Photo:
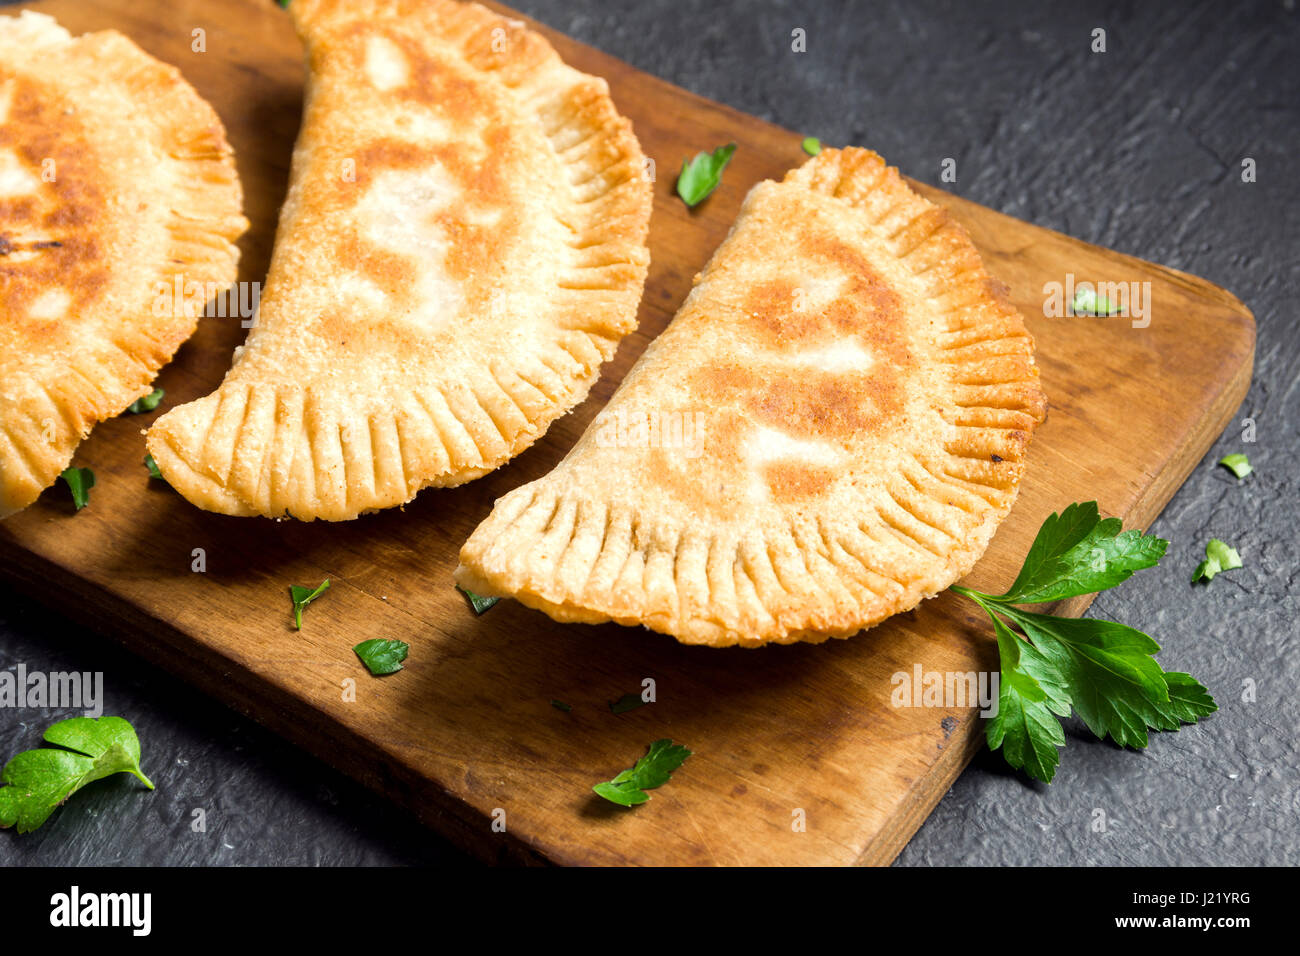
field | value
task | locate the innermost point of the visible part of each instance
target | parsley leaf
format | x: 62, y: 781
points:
x: 1088, y: 302
x: 1238, y: 464
x: 1030, y: 701
x: 1219, y: 557
x: 39, y: 780
x: 1188, y: 700
x: 561, y: 705
x: 651, y: 771
x: 627, y: 702
x: 80, y: 481
x: 1101, y: 670
x: 1077, y: 552
x: 477, y: 601
x: 146, y: 403
x: 812, y: 145
x: 152, y: 466
x: 1114, y: 683
x: 382, y: 656
x: 302, y: 596
x: 701, y: 175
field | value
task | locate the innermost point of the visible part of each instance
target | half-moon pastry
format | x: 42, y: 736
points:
x: 462, y: 246
x: 830, y: 430
x: 117, y: 187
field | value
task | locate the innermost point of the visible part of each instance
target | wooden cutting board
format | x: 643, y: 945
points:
x: 467, y: 729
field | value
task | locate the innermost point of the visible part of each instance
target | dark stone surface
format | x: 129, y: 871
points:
x: 1139, y: 149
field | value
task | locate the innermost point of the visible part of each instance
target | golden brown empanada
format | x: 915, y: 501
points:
x: 463, y: 244
x: 829, y: 431
x: 116, y: 183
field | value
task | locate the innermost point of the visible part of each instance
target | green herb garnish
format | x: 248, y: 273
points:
x: 701, y: 175
x: 1088, y: 302
x: 382, y: 656
x: 1219, y: 557
x: 1102, y: 670
x: 1077, y: 552
x: 152, y: 466
x: 812, y: 145
x: 651, y: 771
x: 39, y: 780
x: 302, y: 597
x: 477, y: 601
x: 147, y: 403
x: 1238, y: 464
x: 80, y: 481
x: 561, y: 705
x: 626, y: 702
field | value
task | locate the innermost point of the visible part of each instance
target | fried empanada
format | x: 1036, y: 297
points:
x: 462, y: 246
x: 830, y: 430
x: 116, y: 183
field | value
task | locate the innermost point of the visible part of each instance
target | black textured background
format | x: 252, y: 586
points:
x: 1138, y: 149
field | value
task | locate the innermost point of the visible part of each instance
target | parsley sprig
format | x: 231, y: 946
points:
x: 1102, y: 670
x: 1088, y: 302
x: 478, y: 602
x: 146, y: 403
x: 1237, y: 463
x: 702, y: 173
x: 79, y: 482
x: 1219, y: 557
x: 302, y: 596
x: 382, y: 656
x: 37, y: 781
x: 653, y: 770
x: 627, y: 702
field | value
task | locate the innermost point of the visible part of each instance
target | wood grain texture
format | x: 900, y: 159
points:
x: 467, y: 727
